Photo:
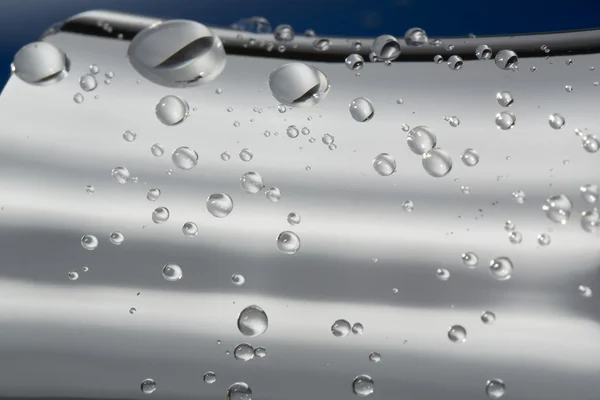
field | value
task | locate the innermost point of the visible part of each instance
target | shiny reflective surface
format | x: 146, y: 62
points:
x: 77, y: 339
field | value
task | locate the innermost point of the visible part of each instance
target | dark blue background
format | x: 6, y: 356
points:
x: 22, y: 21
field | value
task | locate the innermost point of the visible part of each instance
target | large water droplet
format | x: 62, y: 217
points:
x: 252, y: 321
x: 437, y: 162
x: 361, y: 109
x: 177, y: 53
x: 505, y: 99
x: 556, y: 121
x: 243, y: 352
x: 470, y: 259
x: 160, y: 215
x: 172, y: 272
x: 385, y: 48
x: 495, y: 388
x: 469, y: 157
x: 40, y: 63
x: 252, y: 182
x: 507, y: 60
x: 116, y: 238
x: 88, y: 82
x: 384, y: 164
x: 171, y: 110
x: 590, y: 193
x: 148, y: 386
x: 355, y: 62
x: 288, y: 242
x: 501, y: 268
x: 219, y: 205
x: 239, y: 391
x: 488, y: 317
x: 299, y: 85
x: 189, y: 229
x: 457, y: 334
x: 483, y: 52
x: 558, y: 208
x: 505, y: 120
x: 89, y: 242
x: 415, y: 37
x: 121, y: 175
x: 210, y: 377
x: 590, y: 220
x: 363, y: 385
x: 420, y: 140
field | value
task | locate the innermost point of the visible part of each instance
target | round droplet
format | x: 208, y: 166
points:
x: 73, y: 275
x: 260, y: 352
x: 556, y: 121
x: 507, y: 60
x: 219, y: 205
x: 415, y: 37
x: 438, y: 59
x: 293, y: 219
x: 292, y: 131
x: 558, y: 208
x: 501, y: 268
x: 252, y: 321
x: 385, y: 48
x: 210, y: 377
x: 483, y: 52
x: 116, y: 238
x: 515, y: 237
x: 453, y: 121
x: 153, y: 194
x: 437, y: 162
x: 88, y: 82
x: 590, y: 220
x: 470, y: 157
x: 355, y: 62
x: 585, y: 291
x: 172, y: 272
x: 178, y: 53
x: 443, y: 274
x: 238, y: 279
x: 305, y: 131
x: 78, y: 98
x: 129, y: 136
x: 89, y: 189
x: 495, y: 388
x: 455, y: 62
x: 590, y: 193
x: 243, y: 352
x: 470, y: 259
x: 89, y: 242
x: 361, y: 109
x: 358, y: 328
x: 363, y: 385
x: 505, y: 99
x: 40, y: 63
x: 121, y: 175
x: 132, y: 310
x: 160, y: 215
x: 384, y: 164
x: 340, y: 328
x: 157, y: 150
x: 288, y: 242
x: 109, y: 74
x: 457, y: 334
x: 420, y: 140
x: 505, y: 120
x: 590, y: 144
x: 273, y: 194
x: 252, y: 182
x: 239, y: 391
x: 171, y: 110
x: 327, y: 139
x: 148, y: 386
x: 509, y: 226
x: 519, y: 196
x: 544, y: 239
x: 488, y: 317
x: 94, y: 69
x: 246, y: 155
x: 189, y: 229
x: 184, y: 158
x: 375, y: 357
x: 225, y: 156
x: 298, y: 85
x: 408, y: 206
x: 284, y: 33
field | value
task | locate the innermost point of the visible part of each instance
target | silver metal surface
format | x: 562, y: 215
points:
x: 77, y: 339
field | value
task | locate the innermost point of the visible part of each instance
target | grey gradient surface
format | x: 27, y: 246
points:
x: 77, y: 340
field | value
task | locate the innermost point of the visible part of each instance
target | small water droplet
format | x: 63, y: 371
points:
x: 88, y: 82
x: 273, y: 194
x: 590, y: 144
x: 153, y: 194
x: 495, y: 388
x: 450, y: 47
x: 415, y: 37
x: 293, y: 219
x: 457, y: 334
x: 384, y: 164
x: 292, y: 131
x: 519, y: 196
x: 453, y: 121
x: 470, y: 157
x: 363, y: 385
x: 505, y: 99
x: 533, y: 68
x: 408, y: 206
x: 171, y: 110
x: 219, y: 205
x: 132, y: 310
x: 243, y: 352
x: 515, y: 237
x: 225, y: 156
x: 438, y: 59
x: 184, y: 158
x: 246, y: 155
x: 148, y: 386
x: 298, y: 84
x: 354, y: 62
x: 121, y: 175
x: 252, y: 321
x: 505, y: 120
x: 157, y: 150
x: 488, y: 317
x: 361, y: 109
x: 590, y: 193
x: 160, y: 215
x: 509, y: 226
x: 443, y: 274
x: 252, y: 182
x: 78, y: 98
x: 260, y: 352
x: 543, y: 239
x: 358, y: 328
x: 238, y: 279
x: 501, y: 268
x: 73, y: 275
x: 172, y: 272
x: 109, y: 74
x: 585, y: 291
x: 305, y: 131
x: 129, y: 136
x: 340, y: 328
x: 590, y: 220
x: 375, y: 357
x: 420, y: 140
x: 40, y: 63
x: 288, y: 242
x: 437, y: 162
x: 470, y: 259
x: 189, y: 229
x: 556, y: 121
x: 116, y: 238
x: 327, y: 139
x: 239, y: 391
x: 89, y: 189
x: 284, y: 33
x: 507, y: 60
x: 89, y: 242
x: 322, y: 44
x: 455, y: 63
x: 568, y: 88
x: 385, y: 48
x: 210, y: 377
x: 483, y: 52
x: 558, y: 208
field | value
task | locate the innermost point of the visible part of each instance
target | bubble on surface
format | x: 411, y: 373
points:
x: 455, y: 63
x: 457, y: 334
x: 129, y: 136
x: 556, y: 121
x: 509, y: 226
x: 78, y: 98
x: 116, y: 238
x: 495, y: 388
x: 239, y: 391
x: 172, y: 110
x: 284, y: 33
x: 558, y: 208
x: 453, y: 121
x: 415, y: 37
x: 483, y: 52
x: 437, y: 162
x: 252, y: 182
x: 501, y: 268
x: 299, y: 85
x: 507, y: 60
x: 322, y: 44
x: 184, y: 158
x: 327, y: 139
x: 438, y: 59
x: 384, y: 164
x: 292, y: 131
x: 340, y: 328
x: 260, y: 352
x: 505, y: 99
x: 361, y: 109
x: 89, y: 242
x: 519, y: 196
x: 252, y: 321
x: 385, y: 48
x: 219, y: 205
x: 505, y: 120
x: 157, y: 150
x: 189, y: 229
x: 121, y: 175
x: 354, y: 62
x: 288, y: 242
x: 40, y: 63
x: 148, y: 386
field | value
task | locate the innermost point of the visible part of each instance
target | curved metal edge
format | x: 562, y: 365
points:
x: 123, y: 26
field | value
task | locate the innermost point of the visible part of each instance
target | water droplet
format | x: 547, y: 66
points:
x: 505, y: 99
x: 78, y: 98
x: 375, y: 357
x: 94, y: 69
x: 239, y: 391
x: 219, y: 205
x: 507, y: 60
x: 590, y: 220
x: 132, y: 310
x: 408, y: 206
x: 384, y: 164
x: 292, y: 131
x: 327, y: 139
x: 273, y: 194
x: 438, y: 59
x: 160, y: 215
x: 363, y: 385
x: 358, y: 328
x: 189, y: 229
x: 519, y: 196
x: 299, y: 85
x: 488, y: 317
x: 121, y: 175
x: 288, y: 242
x: 252, y: 321
x: 210, y: 377
x: 455, y: 62
x: 443, y: 274
x: 184, y: 158
x: 73, y: 275
x: 515, y: 237
x: 415, y: 37
x: 585, y: 291
x: 260, y: 352
x: 385, y: 48
x: 355, y: 62
x: 543, y: 239
x: 533, y: 68
x: 590, y: 193
x: 437, y: 162
x: 453, y: 121
x: 340, y: 328
x: 495, y: 388
x: 90, y: 189
x: 88, y: 82
x: 399, y: 101
x: 225, y: 156
x: 457, y: 334
x: 293, y: 219
x: 556, y: 121
x: 568, y: 88
x: 558, y: 208
x: 469, y: 157
x: 243, y: 352
x: 420, y: 140
x: 436, y: 42
x: 252, y: 182
x: 116, y: 238
x: 505, y: 120
x: 246, y: 155
x: 171, y: 110
x: 284, y: 33
x: 153, y: 194
x: 109, y: 74
x: 89, y: 242
x: 322, y: 44
x: 501, y: 268
x: 40, y: 63
x: 509, y: 226
x: 405, y: 127
x: 178, y: 53
x: 148, y: 386
x: 129, y: 136
x: 172, y: 272
x: 238, y: 279
x: 470, y: 259
x: 483, y: 52
x: 590, y: 144
x: 305, y: 131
